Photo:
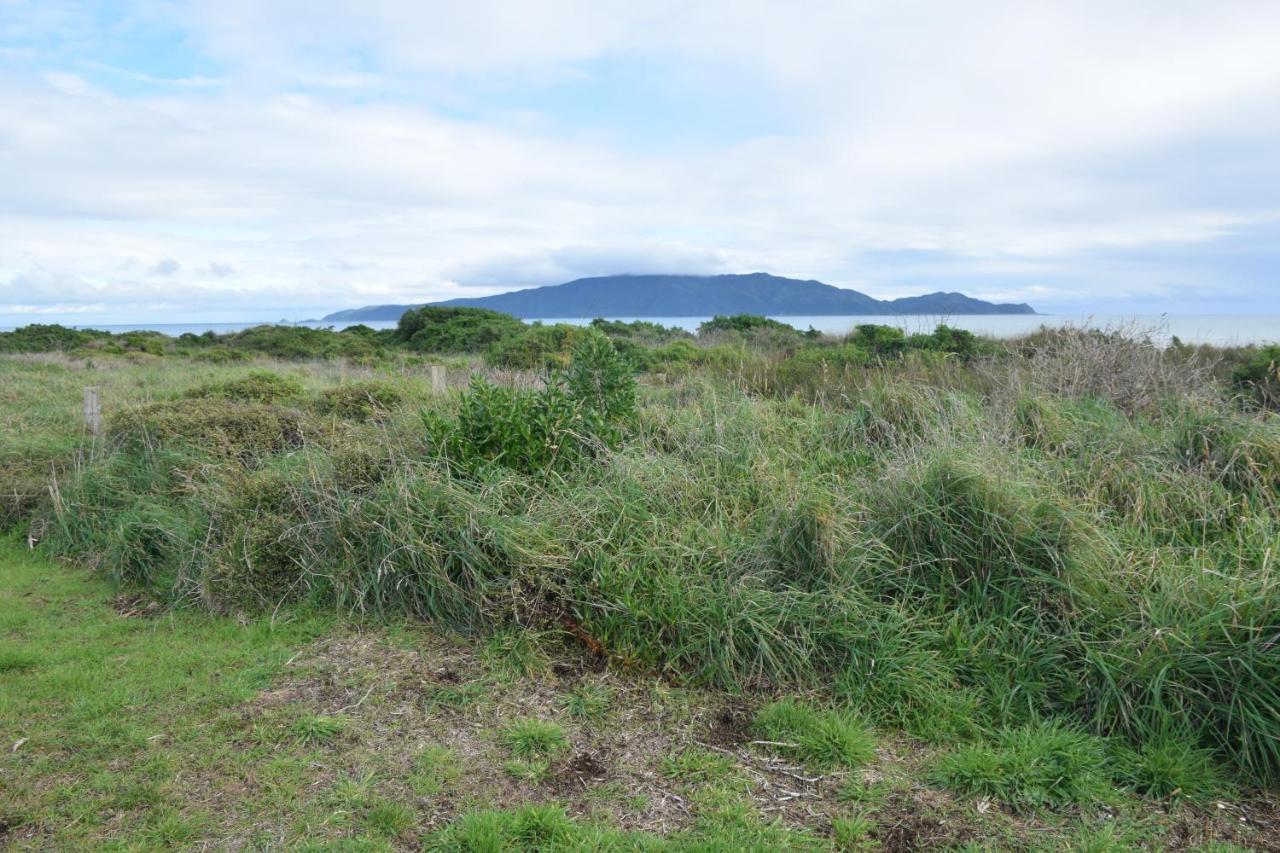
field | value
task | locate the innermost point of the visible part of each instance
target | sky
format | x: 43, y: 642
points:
x: 229, y: 160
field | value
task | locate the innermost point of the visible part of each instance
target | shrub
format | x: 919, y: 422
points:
x: 359, y: 401
x: 957, y: 342
x: 258, y: 386
x: 295, y: 343
x: 221, y: 427
x: 548, y: 429
x: 1041, y: 764
x: 537, y: 347
x: 448, y: 330
x: 48, y: 337
x: 1259, y: 377
x: 882, y: 341
x: 744, y: 323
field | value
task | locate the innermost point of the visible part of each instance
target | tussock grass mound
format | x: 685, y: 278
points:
x: 258, y: 386
x: 220, y: 427
x: 1243, y: 453
x: 360, y: 401
x: 966, y: 533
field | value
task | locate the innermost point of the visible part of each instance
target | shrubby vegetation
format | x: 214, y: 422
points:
x: 1052, y: 558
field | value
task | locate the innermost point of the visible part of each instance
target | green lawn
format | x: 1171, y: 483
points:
x: 107, y: 710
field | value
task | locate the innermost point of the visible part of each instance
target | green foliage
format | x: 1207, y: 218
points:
x: 258, y: 386
x: 640, y: 331
x: 548, y: 429
x: 882, y: 341
x: 48, y: 337
x: 359, y: 401
x: 1259, y: 376
x: 297, y: 343
x: 589, y: 702
x: 1041, y: 764
x: 698, y: 767
x: 454, y: 330
x: 743, y: 323
x: 822, y: 738
x: 536, y: 347
x: 945, y: 339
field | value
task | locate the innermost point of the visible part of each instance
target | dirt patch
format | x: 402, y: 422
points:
x: 581, y: 773
x: 404, y: 697
x: 135, y: 607
x: 731, y: 725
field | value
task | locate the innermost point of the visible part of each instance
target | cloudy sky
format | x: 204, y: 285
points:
x: 241, y: 159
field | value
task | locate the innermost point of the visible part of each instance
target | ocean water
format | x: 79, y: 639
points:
x: 1221, y: 329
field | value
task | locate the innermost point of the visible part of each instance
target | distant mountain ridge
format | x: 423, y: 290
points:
x: 695, y: 296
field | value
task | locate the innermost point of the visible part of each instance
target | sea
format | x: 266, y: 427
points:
x: 1219, y: 329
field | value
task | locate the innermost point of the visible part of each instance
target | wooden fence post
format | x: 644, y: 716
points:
x: 92, y: 410
x: 437, y: 378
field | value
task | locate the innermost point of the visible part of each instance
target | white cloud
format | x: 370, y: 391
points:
x: 383, y: 152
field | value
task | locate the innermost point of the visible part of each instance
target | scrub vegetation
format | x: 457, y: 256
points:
x: 623, y: 586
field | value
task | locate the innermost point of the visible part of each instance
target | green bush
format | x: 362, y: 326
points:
x: 744, y: 323
x: 881, y: 341
x: 48, y: 337
x: 542, y: 430
x: 258, y: 386
x: 452, y: 330
x: 359, y: 401
x: 1259, y: 377
x: 537, y: 347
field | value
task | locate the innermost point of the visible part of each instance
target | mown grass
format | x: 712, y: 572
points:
x: 1005, y: 554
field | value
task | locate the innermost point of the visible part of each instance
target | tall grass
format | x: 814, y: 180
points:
x: 951, y: 547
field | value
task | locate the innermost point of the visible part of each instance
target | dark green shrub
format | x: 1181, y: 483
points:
x: 744, y: 323
x: 945, y: 339
x: 546, y: 429
x: 537, y: 347
x: 219, y: 355
x: 258, y: 386
x: 640, y: 331
x: 222, y: 427
x: 359, y: 401
x: 297, y: 343
x: 1259, y: 377
x: 48, y: 337
x: 883, y: 341
x: 448, y: 330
